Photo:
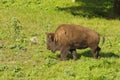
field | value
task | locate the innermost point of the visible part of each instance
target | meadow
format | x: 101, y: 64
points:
x: 21, y: 59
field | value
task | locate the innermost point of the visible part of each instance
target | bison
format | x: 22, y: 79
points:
x: 69, y: 37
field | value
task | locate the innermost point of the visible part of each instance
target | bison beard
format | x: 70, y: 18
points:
x: 69, y: 37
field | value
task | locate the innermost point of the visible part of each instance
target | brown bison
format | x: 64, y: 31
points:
x: 69, y: 37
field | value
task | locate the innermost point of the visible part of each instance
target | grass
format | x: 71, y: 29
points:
x: 20, y: 59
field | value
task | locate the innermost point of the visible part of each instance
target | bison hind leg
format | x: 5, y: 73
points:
x: 98, y: 52
x: 95, y: 52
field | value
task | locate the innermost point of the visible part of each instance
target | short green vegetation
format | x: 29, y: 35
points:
x: 23, y: 28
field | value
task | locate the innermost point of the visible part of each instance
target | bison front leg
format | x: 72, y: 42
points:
x: 73, y: 51
x: 64, y: 53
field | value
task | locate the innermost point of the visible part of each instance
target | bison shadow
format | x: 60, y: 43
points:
x: 102, y: 54
x: 89, y: 54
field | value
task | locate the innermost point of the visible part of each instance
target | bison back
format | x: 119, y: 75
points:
x: 69, y: 34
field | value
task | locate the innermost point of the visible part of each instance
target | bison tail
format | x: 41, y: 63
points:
x: 103, y: 40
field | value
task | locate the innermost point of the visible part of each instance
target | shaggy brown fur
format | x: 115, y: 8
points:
x: 53, y: 46
x: 69, y: 37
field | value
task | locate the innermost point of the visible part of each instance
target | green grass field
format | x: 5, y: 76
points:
x: 20, y: 59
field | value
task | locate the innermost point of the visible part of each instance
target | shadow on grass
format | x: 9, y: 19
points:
x: 91, y: 8
x: 89, y: 54
x: 102, y: 54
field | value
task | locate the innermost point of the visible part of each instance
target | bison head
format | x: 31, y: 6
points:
x: 51, y: 44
